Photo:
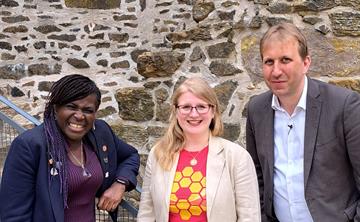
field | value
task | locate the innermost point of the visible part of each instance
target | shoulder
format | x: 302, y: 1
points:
x: 229, y: 147
x: 34, y: 136
x: 260, y: 100
x: 330, y: 90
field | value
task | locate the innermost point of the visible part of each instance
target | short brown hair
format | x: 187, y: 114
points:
x: 285, y: 29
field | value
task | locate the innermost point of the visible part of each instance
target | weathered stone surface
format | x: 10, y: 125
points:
x: 20, y: 48
x: 197, y: 34
x: 201, y: 10
x: 9, y: 3
x: 226, y: 15
x: 278, y: 7
x: 263, y: 2
x: 102, y: 62
x: 224, y: 92
x: 43, y: 69
x: 227, y: 4
x: 93, y: 27
x: 135, y: 135
x: 3, y: 36
x: 124, y: 17
x: 197, y: 54
x: 159, y: 64
x: 109, y: 110
x: 344, y: 59
x: 162, y: 112
x: 251, y: 56
x: 45, y: 86
x: 194, y: 69
x: 120, y: 65
x: 322, y: 28
x: 5, y: 45
x: 135, y: 54
x: 117, y: 54
x: 16, y: 71
x: 345, y: 23
x: 63, y: 37
x: 276, y: 20
x: 15, y: 29
x: 221, y: 68
x: 231, y: 131
x: 352, y: 3
x: 353, y: 84
x: 7, y: 56
x: 221, y: 50
x: 135, y: 104
x: 314, y: 5
x: 15, y: 19
x: 93, y: 4
x: 120, y: 38
x: 156, y: 131
x: 40, y: 45
x: 256, y: 21
x: 46, y: 29
x: 312, y: 19
x: 100, y: 45
x: 78, y: 63
x: 16, y: 92
x: 152, y: 85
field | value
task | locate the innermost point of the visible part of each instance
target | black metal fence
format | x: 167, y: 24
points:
x: 9, y: 129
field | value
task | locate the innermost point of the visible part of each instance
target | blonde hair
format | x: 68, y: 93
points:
x: 174, y: 140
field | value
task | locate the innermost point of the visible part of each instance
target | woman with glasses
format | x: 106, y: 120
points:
x: 194, y: 175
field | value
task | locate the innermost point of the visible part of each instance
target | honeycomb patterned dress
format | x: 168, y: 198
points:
x: 188, y: 199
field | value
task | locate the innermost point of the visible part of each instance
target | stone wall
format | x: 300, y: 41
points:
x: 139, y: 50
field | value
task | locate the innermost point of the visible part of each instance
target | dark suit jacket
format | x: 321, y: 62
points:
x: 29, y: 193
x: 331, y: 152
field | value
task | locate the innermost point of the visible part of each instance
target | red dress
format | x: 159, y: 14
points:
x: 188, y: 193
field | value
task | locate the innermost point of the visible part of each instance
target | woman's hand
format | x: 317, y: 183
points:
x: 111, y: 197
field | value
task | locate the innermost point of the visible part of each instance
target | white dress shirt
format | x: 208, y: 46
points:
x: 289, y: 130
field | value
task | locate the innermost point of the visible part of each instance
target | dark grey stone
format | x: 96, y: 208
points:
x: 5, y: 45
x: 221, y: 68
x: 16, y: 92
x: 15, y: 19
x: 46, y: 29
x: 221, y: 50
x: 78, y: 63
x: 135, y: 104
x: 63, y: 37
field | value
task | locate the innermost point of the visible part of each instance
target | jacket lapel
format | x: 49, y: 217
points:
x: 313, y: 108
x: 267, y: 136
x: 168, y: 182
x: 214, y: 169
x: 56, y: 197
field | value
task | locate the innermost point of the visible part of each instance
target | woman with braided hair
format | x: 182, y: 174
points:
x: 54, y: 171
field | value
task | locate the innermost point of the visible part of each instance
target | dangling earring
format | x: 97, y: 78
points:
x: 94, y: 126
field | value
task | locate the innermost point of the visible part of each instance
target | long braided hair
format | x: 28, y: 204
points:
x: 66, y: 90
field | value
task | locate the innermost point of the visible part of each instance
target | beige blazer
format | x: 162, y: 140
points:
x: 231, y: 186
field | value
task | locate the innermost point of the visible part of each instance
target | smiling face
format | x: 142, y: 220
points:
x: 283, y: 67
x: 193, y: 124
x: 76, y: 118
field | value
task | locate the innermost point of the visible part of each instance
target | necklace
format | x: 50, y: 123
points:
x: 193, y: 160
x: 85, y: 173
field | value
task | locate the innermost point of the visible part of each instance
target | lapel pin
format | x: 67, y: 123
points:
x: 106, y: 160
x: 53, y: 171
x: 104, y: 148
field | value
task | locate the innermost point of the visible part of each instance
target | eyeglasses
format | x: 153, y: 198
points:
x: 201, y: 109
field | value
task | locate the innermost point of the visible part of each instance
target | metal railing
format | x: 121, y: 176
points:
x: 10, y: 129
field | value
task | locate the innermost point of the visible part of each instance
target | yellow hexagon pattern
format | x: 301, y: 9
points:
x: 194, y: 184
